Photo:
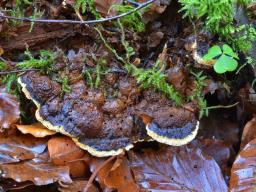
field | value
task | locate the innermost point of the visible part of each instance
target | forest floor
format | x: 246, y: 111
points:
x: 129, y: 104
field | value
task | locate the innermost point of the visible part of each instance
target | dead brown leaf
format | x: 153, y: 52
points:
x: 119, y: 177
x: 176, y: 168
x: 9, y: 110
x: 78, y: 186
x: 244, y: 170
x: 37, y: 170
x: 249, y: 132
x: 220, y: 125
x: 104, y: 7
x: 63, y: 151
x: 36, y: 129
x: 154, y: 39
x: 114, y: 175
x: 217, y: 149
x: 15, y: 148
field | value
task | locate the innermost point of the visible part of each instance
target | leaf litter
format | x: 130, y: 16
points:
x: 32, y: 155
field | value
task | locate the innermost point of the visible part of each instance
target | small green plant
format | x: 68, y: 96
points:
x: 93, y: 77
x: 132, y: 21
x: 148, y: 78
x: 88, y: 73
x: 197, y: 93
x: 99, y: 71
x: 219, y: 18
x: 155, y: 78
x: 44, y: 61
x: 65, y: 85
x: 3, y: 65
x: 83, y: 4
x: 226, y: 58
x: 218, y: 14
x: 9, y: 80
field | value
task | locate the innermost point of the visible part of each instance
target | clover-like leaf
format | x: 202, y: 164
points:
x: 214, y: 51
x: 218, y: 66
x: 224, y: 64
x: 229, y: 51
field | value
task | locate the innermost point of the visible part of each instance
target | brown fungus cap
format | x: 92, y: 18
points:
x: 107, y: 126
x: 81, y: 114
x: 170, y: 125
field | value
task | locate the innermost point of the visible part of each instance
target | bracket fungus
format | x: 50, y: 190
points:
x: 106, y: 126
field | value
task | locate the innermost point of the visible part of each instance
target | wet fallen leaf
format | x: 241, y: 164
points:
x: 114, y: 175
x: 63, y: 151
x: 154, y: 39
x: 37, y: 170
x: 217, y: 149
x: 244, y: 170
x: 120, y: 178
x: 175, y: 169
x: 36, y: 129
x: 9, y: 185
x: 94, y: 163
x: 154, y: 10
x: 15, y: 148
x: 220, y: 125
x: 78, y: 186
x: 249, y: 132
x: 9, y: 110
x: 104, y: 7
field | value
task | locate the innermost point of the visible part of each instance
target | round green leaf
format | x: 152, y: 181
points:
x: 225, y: 63
x: 212, y: 52
x: 229, y: 51
x: 218, y: 67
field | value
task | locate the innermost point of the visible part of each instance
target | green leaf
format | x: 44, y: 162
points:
x: 225, y: 63
x: 213, y: 52
x: 229, y: 51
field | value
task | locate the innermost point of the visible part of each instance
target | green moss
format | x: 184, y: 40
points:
x: 65, y: 85
x: 44, y: 61
x: 218, y: 17
x: 132, y: 21
x: 197, y: 93
x: 83, y: 4
x: 147, y: 78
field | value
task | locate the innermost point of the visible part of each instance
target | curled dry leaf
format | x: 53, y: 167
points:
x: 249, y: 132
x: 78, y: 186
x: 63, y: 151
x: 36, y: 129
x: 37, y: 170
x: 115, y: 175
x: 15, y: 148
x: 120, y: 178
x: 175, y: 169
x: 244, y: 170
x: 9, y: 110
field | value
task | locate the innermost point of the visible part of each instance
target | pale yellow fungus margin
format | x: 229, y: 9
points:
x: 173, y: 141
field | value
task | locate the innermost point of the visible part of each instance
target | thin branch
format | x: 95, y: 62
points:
x: 222, y: 106
x: 133, y: 2
x: 17, y: 71
x: 26, y: 19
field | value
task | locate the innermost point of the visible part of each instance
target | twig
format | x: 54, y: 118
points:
x: 96, y: 172
x: 17, y: 71
x: 26, y: 19
x: 133, y: 2
x: 222, y: 106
